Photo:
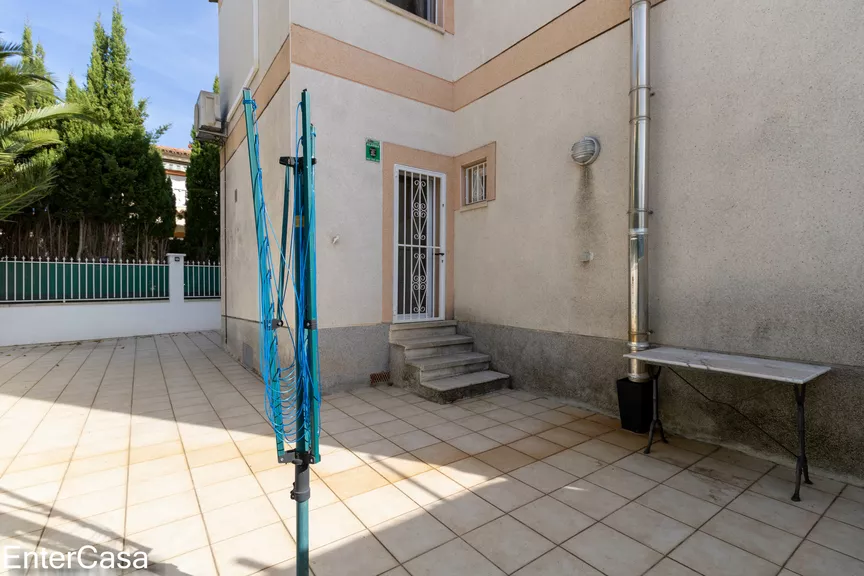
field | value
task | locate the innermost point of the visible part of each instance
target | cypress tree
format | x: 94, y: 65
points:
x: 96, y: 87
x: 121, y: 102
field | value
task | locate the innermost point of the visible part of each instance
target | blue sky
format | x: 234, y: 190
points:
x: 173, y: 46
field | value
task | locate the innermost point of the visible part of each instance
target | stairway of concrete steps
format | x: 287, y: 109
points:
x: 433, y: 361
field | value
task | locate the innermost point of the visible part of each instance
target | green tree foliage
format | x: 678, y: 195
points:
x: 202, y: 200
x: 27, y: 132
x: 112, y: 197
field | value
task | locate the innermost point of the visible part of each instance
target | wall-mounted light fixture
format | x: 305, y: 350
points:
x: 585, y: 151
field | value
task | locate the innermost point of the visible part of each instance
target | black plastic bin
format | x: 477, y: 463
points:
x: 634, y: 405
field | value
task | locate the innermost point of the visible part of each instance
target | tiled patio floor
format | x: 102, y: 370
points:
x: 157, y: 444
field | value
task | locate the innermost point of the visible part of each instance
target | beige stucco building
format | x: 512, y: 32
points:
x: 755, y: 175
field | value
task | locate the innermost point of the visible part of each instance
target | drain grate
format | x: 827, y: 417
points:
x: 379, y: 378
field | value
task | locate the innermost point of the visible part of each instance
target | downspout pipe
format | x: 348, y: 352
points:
x: 640, y: 94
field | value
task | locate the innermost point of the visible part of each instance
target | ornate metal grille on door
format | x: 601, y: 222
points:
x: 419, y: 252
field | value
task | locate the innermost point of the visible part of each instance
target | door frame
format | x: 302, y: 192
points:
x: 441, y: 280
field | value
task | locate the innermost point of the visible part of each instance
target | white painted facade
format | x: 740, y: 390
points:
x: 66, y: 322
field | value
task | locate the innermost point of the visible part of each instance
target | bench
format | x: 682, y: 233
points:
x: 793, y: 373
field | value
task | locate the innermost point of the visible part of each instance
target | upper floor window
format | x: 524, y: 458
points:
x: 426, y: 9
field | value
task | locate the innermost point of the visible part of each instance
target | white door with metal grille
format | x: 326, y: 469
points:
x: 418, y: 236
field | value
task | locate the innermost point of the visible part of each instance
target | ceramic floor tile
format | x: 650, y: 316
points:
x: 505, y: 458
x: 469, y: 472
x: 375, y: 417
x: 506, y: 493
x: 543, y: 477
x: 847, y: 511
x: 426, y: 420
x: 853, y: 493
x: 428, y: 487
x: 504, y: 415
x: 377, y: 450
x: 508, y: 544
x: 674, y: 455
x: 254, y: 551
x: 564, y: 437
x: 412, y: 534
x: 463, y: 511
x: 648, y: 527
x: 163, y: 511
x: 414, y: 440
x: 839, y: 536
x: 611, y: 552
x: 774, y: 513
x: 219, y: 472
x: 355, y: 481
x: 679, y: 505
x: 441, y: 454
x: 621, y: 482
x: 476, y: 422
x: 602, y: 451
x: 531, y: 425
x: 170, y: 540
x: 357, y: 555
x: 725, y: 472
x: 704, y: 488
x: 230, y: 521
x: 557, y: 562
x: 380, y: 505
x: 712, y: 557
x: 400, y: 467
x: 667, y: 567
x: 473, y: 443
x: 819, y: 483
x: 393, y: 428
x: 648, y: 467
x: 229, y: 492
x: 552, y: 520
x: 587, y: 428
x: 692, y: 445
x: 812, y: 559
x: 338, y: 519
x: 357, y: 437
x: 812, y: 500
x: 336, y: 462
x: 575, y: 463
x: 589, y: 499
x: 742, y: 460
x: 454, y: 413
x: 504, y: 434
x: 454, y: 557
x: 536, y: 447
x: 448, y: 431
x: 760, y: 539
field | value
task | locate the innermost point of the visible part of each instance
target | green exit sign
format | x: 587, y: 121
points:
x: 373, y: 150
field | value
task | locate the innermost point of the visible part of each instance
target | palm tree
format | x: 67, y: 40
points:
x: 26, y: 134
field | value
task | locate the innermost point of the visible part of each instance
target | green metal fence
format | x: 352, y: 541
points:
x: 201, y: 280
x: 44, y: 280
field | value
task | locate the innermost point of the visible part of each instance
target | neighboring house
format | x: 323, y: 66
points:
x: 176, y: 161
x: 755, y: 174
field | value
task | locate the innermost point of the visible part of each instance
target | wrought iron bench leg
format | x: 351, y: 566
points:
x: 655, y: 415
x: 801, y: 467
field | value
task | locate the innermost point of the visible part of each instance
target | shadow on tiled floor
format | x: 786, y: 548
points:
x: 158, y: 444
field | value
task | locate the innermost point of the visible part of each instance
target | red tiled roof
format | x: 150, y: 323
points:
x: 177, y: 151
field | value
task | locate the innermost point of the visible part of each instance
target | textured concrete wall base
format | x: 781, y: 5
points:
x: 347, y: 355
x: 741, y: 413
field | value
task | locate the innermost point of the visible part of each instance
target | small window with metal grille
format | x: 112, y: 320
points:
x: 426, y: 9
x: 474, y: 178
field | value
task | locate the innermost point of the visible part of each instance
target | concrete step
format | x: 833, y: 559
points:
x: 411, y: 330
x: 436, y: 367
x: 445, y: 390
x: 436, y: 346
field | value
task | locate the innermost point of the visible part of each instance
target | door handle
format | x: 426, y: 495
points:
x: 439, y: 253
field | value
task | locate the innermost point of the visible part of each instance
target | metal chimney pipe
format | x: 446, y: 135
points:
x: 640, y: 93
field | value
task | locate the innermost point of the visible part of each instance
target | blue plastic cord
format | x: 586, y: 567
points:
x: 289, y: 389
